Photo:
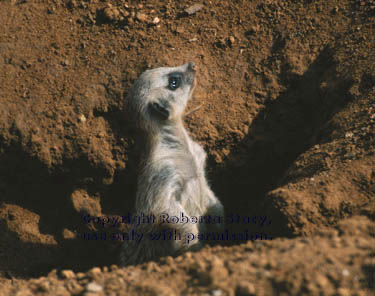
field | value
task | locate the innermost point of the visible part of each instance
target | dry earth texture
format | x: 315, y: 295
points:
x: 287, y: 117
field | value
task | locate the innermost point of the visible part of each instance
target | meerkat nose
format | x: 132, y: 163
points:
x: 192, y: 66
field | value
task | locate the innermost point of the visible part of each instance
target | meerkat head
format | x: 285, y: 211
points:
x: 159, y: 96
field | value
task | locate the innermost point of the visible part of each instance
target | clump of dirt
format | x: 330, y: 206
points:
x: 287, y: 91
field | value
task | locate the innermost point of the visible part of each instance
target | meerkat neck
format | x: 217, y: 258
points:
x: 171, y: 136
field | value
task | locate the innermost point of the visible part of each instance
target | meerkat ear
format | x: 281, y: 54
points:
x: 160, y: 109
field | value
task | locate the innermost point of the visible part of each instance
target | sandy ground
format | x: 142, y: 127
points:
x: 287, y: 117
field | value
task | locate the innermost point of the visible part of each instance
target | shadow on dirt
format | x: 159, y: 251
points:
x: 285, y: 128
x: 28, y: 184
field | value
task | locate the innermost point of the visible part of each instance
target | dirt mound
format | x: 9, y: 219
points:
x: 287, y: 117
x: 300, y: 266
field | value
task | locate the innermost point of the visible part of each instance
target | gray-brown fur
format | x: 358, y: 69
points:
x: 172, y: 178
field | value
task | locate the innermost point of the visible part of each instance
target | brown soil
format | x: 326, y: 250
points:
x: 287, y: 90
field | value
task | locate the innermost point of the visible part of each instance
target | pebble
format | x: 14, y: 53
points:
x: 68, y: 274
x: 67, y: 234
x: 343, y: 292
x: 141, y: 17
x: 348, y: 135
x: 216, y: 292
x: 52, y: 273
x: 44, y: 285
x: 94, y: 272
x: 94, y: 287
x: 80, y: 275
x: 322, y: 281
x: 113, y: 267
x: 112, y: 14
x: 82, y: 118
x: 254, y: 29
x: 156, y: 20
x: 193, y: 9
x: 245, y: 288
x: 74, y: 288
x: 345, y: 272
x: 152, y: 267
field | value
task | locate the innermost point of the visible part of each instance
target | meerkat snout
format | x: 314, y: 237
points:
x: 193, y: 66
x: 172, y: 181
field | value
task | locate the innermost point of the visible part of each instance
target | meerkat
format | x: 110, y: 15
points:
x: 172, y: 177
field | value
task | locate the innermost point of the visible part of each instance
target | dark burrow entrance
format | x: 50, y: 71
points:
x: 285, y: 128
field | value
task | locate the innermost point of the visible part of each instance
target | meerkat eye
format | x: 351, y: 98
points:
x: 174, y: 81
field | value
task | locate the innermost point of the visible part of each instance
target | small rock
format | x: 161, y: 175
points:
x: 23, y: 292
x: 348, y: 135
x: 193, y: 9
x: 152, y: 267
x: 80, y: 275
x: 124, y: 12
x: 72, y: 3
x: 111, y: 14
x: 335, y: 10
x: 68, y: 234
x: 180, y: 29
x: 345, y: 272
x: 260, y: 94
x: 51, y: 10
x: 107, y: 181
x: 44, y: 285
x: 52, y: 273
x: 90, y: 294
x: 94, y: 272
x: 322, y: 281
x: 74, y: 288
x: 91, y: 18
x: 216, y: 292
x: 254, y: 29
x: 82, y: 118
x: 217, y: 270
x: 141, y: 17
x: 245, y: 289
x: 232, y: 39
x: 156, y: 20
x: 68, y: 274
x: 94, y: 287
x: 343, y: 292
x: 83, y: 203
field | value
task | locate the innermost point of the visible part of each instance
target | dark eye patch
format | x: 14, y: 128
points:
x: 174, y: 80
